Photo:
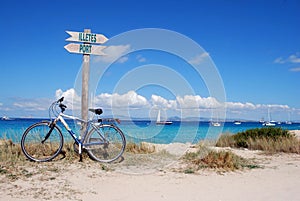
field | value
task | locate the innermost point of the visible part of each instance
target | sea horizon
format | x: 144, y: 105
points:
x: 147, y: 130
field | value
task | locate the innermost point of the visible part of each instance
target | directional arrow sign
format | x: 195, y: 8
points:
x: 85, y: 49
x: 86, y: 37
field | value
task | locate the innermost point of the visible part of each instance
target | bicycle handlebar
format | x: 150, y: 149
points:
x: 60, y: 100
x: 62, y: 107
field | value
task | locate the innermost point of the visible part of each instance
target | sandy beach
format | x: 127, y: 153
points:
x: 277, y: 178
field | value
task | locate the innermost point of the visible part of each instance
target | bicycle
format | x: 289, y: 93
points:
x: 43, y: 141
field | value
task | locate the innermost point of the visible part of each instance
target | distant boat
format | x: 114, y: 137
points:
x: 262, y: 120
x: 5, y: 118
x: 289, y: 120
x: 215, y: 124
x: 237, y: 123
x: 159, y: 122
x: 269, y: 123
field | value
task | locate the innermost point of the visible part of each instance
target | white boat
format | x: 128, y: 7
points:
x: 262, y: 121
x: 269, y: 123
x: 289, y: 120
x: 215, y: 124
x: 237, y: 123
x: 159, y: 122
x: 5, y: 118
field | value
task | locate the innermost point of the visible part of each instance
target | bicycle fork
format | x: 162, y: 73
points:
x: 51, y: 126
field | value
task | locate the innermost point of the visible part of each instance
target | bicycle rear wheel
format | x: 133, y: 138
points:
x: 37, y: 147
x: 105, y: 144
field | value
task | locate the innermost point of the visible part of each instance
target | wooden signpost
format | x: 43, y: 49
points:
x: 86, y: 37
x: 86, y: 48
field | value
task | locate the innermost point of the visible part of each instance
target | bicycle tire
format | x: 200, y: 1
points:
x: 36, y: 150
x: 108, y: 151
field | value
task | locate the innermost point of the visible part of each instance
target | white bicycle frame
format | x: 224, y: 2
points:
x: 80, y: 141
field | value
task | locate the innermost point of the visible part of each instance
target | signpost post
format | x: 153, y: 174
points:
x: 85, y: 86
x: 86, y: 48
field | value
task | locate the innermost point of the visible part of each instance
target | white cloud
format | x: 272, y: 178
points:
x: 237, y: 105
x: 130, y: 99
x: 278, y: 107
x: 198, y: 59
x: 114, y: 53
x: 32, y: 104
x: 188, y: 105
x: 71, y: 98
x: 251, y: 106
x: 122, y: 60
x: 140, y: 58
x: 1, y: 104
x: 162, y: 103
x: 294, y: 58
x: 297, y: 69
x: 196, y: 102
x: 133, y: 100
x: 279, y: 60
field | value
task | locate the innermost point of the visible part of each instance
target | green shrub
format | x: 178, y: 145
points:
x: 258, y: 133
x: 266, y: 139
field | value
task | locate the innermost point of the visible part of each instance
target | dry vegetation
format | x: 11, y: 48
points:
x: 141, y: 148
x: 206, y: 158
x: 270, y: 140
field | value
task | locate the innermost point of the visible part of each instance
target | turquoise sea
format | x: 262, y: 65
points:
x: 137, y: 131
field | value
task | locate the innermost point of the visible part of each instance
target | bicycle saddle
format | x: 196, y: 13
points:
x: 96, y: 111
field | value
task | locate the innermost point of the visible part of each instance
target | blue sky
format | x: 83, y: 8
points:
x: 255, y: 46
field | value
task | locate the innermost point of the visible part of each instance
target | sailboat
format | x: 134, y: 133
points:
x: 237, y: 122
x: 269, y: 122
x: 215, y: 123
x: 159, y: 122
x: 289, y: 120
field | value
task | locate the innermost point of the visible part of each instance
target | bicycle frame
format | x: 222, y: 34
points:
x: 80, y: 141
x: 103, y: 141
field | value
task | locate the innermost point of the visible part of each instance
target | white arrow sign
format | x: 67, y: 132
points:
x: 86, y: 37
x: 85, y: 49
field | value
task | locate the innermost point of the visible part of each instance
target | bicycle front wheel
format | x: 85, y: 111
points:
x: 41, y: 143
x: 106, y: 143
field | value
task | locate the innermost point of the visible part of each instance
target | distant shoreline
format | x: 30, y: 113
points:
x: 205, y: 120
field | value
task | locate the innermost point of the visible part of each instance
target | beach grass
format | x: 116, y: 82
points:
x: 270, y: 140
x: 10, y: 151
x: 141, y: 148
x: 222, y: 161
x: 200, y: 156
